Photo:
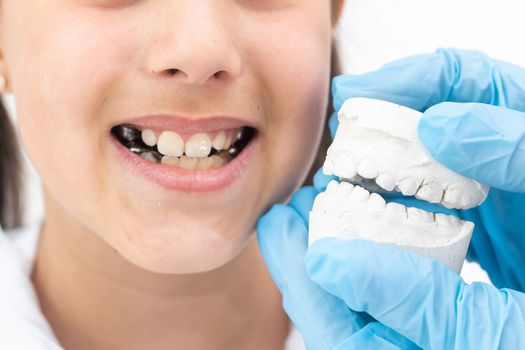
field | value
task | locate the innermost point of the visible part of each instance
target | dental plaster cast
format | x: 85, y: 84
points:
x: 377, y: 140
x: 346, y: 211
x: 376, y: 146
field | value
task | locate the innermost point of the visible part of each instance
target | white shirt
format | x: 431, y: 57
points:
x: 22, y: 324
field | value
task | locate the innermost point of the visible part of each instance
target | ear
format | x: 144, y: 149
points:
x: 337, y: 10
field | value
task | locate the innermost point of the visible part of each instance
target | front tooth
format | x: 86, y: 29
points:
x: 205, y: 163
x: 167, y: 160
x: 170, y: 144
x: 189, y: 163
x: 218, y: 142
x: 419, y: 215
x: 367, y: 168
x: 199, y: 145
x: 149, y: 137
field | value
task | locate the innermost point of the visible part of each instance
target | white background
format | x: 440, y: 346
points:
x: 373, y: 32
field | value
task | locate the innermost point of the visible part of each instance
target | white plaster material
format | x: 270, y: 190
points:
x: 377, y: 140
x: 348, y: 212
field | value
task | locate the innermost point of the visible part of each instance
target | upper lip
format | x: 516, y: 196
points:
x: 186, y: 124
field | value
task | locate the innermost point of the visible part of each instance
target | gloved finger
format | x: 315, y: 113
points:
x: 422, y: 81
x: 416, y: 296
x: 302, y: 202
x: 480, y: 141
x: 498, y: 231
x: 324, y: 320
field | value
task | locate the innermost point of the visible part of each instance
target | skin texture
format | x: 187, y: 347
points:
x: 169, y: 264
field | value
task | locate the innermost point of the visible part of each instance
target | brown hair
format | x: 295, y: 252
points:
x: 326, y: 139
x: 11, y: 208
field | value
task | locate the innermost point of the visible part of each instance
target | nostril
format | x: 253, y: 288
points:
x: 219, y: 74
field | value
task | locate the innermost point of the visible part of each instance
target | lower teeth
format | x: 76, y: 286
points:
x: 216, y: 160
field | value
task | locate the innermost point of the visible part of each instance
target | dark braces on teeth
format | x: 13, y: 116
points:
x: 131, y: 138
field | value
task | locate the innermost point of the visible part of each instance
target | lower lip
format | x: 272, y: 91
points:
x: 175, y: 178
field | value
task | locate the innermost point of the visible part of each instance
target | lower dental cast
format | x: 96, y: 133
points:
x: 376, y: 146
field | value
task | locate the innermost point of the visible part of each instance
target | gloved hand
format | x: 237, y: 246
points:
x: 473, y: 123
x: 419, y: 298
x: 431, y: 306
x: 412, y: 299
x: 324, y: 320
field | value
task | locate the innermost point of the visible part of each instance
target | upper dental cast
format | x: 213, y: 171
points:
x: 376, y: 146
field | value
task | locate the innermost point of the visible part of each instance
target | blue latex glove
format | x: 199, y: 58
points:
x: 473, y: 123
x: 420, y: 298
x: 412, y: 297
x: 325, y: 321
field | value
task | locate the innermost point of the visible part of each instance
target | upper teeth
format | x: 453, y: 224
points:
x: 378, y: 140
x: 170, y: 143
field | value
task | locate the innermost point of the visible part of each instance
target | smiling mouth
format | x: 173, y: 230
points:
x: 199, y: 151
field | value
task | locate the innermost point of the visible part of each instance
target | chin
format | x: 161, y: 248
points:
x: 180, y: 251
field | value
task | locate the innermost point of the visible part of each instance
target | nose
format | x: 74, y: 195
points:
x: 193, y: 43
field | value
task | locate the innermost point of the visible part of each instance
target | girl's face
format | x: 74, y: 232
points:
x: 79, y: 68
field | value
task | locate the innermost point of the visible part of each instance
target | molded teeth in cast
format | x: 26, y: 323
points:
x: 348, y: 212
x: 376, y: 146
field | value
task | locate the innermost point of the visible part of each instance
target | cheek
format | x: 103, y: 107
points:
x: 297, y: 73
x: 61, y: 75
